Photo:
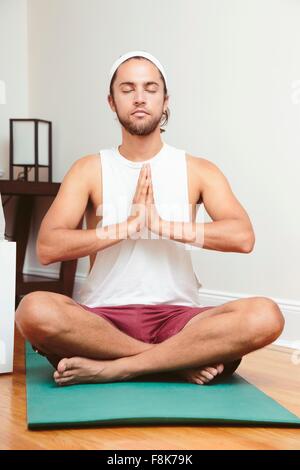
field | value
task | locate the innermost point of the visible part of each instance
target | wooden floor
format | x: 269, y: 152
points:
x: 270, y: 369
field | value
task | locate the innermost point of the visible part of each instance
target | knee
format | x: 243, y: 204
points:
x: 33, y: 316
x: 266, y: 321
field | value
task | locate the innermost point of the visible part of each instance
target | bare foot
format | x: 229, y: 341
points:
x: 202, y: 375
x: 76, y: 370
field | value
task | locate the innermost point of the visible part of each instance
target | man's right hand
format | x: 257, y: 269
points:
x: 137, y: 219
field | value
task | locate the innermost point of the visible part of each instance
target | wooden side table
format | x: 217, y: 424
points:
x: 26, y: 193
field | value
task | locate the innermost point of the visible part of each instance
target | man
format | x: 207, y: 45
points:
x: 139, y: 310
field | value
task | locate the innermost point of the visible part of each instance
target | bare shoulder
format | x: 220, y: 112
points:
x: 202, y: 168
x: 87, y: 163
x: 201, y: 163
x: 87, y: 170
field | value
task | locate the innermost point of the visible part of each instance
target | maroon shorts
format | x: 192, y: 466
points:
x: 148, y: 323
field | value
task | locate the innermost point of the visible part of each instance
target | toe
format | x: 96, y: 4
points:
x: 197, y: 380
x: 65, y: 380
x: 204, y: 379
x: 69, y: 373
x: 62, y: 365
x: 68, y: 364
x: 66, y: 373
x: 206, y: 375
x: 212, y: 370
x: 220, y: 368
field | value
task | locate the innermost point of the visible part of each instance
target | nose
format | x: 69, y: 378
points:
x: 139, y: 96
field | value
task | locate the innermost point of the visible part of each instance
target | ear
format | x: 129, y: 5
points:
x: 166, y: 102
x: 111, y: 103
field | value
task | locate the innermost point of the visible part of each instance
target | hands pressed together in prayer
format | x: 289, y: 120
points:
x: 143, y: 211
x: 145, y: 214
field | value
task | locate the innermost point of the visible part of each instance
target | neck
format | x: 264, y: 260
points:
x: 140, y: 147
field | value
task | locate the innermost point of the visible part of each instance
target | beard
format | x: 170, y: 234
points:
x: 140, y: 126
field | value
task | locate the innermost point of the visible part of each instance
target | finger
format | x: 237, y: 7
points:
x: 144, y: 177
x: 143, y: 196
x: 150, y: 192
x: 142, y: 172
x: 148, y: 198
x: 140, y: 183
x: 148, y: 175
x: 144, y: 186
x: 149, y: 188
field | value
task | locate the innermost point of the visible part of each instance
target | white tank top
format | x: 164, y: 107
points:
x: 147, y: 270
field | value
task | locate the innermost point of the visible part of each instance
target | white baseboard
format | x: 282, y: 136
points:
x: 290, y: 337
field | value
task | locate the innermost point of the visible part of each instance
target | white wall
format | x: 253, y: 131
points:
x: 232, y: 66
x: 13, y: 70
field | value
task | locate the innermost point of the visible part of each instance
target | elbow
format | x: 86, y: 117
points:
x: 44, y: 260
x: 42, y: 255
x: 248, y: 242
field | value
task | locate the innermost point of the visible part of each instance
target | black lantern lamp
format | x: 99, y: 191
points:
x: 30, y: 147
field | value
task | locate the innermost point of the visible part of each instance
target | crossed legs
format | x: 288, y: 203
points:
x: 58, y: 326
x: 96, y: 351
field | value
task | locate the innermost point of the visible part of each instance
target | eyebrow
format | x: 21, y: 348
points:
x: 145, y: 83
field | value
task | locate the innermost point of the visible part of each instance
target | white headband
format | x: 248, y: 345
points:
x: 145, y: 54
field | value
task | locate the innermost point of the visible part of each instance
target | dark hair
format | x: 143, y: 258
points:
x: 166, y: 114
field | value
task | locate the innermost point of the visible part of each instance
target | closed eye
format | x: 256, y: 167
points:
x: 132, y: 90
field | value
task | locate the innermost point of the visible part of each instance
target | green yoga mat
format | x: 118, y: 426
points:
x: 142, y: 401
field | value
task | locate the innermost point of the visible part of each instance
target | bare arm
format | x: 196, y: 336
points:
x: 58, y: 237
x: 231, y: 229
